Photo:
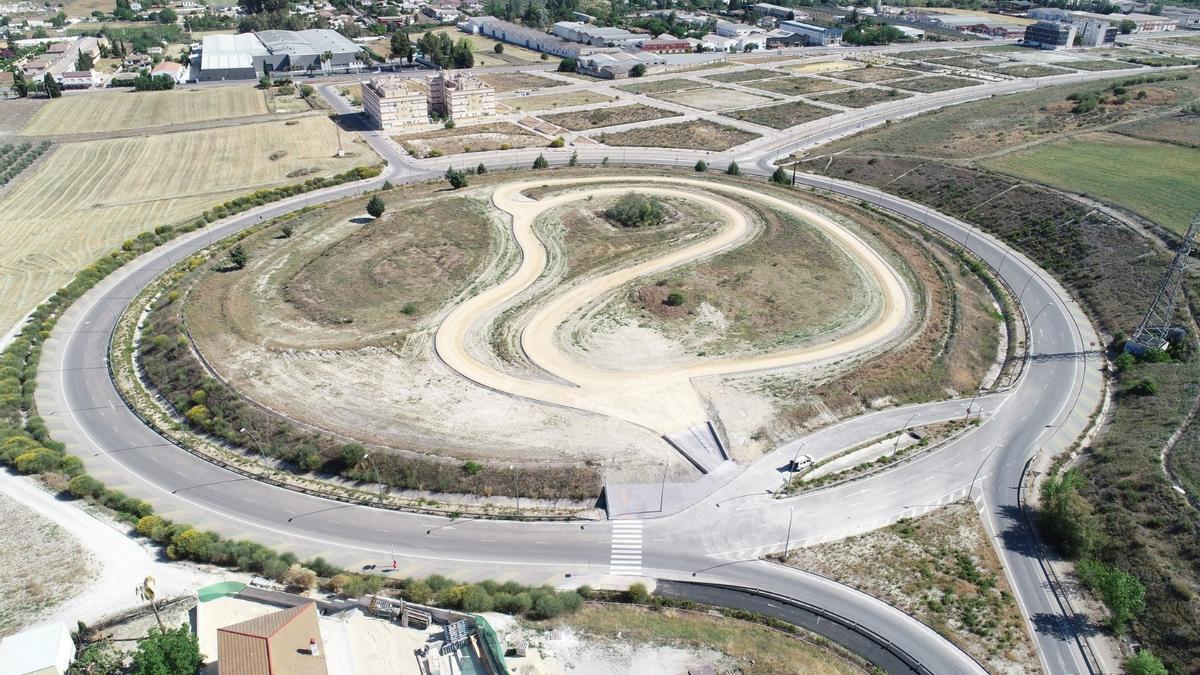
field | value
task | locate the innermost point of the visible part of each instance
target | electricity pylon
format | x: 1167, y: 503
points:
x: 1153, y: 331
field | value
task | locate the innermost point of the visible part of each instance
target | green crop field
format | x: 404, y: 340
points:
x: 1156, y: 180
x: 136, y: 110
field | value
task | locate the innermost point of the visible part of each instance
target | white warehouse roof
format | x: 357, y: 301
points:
x: 47, y: 649
x: 220, y: 52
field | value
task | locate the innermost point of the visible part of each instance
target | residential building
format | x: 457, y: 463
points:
x: 459, y: 95
x: 667, y: 44
x: 717, y: 43
x: 176, y: 71
x: 814, y: 34
x: 58, y: 48
x: 444, y: 15
x: 1184, y: 17
x: 138, y: 61
x: 47, y: 650
x: 78, y: 79
x: 287, y: 642
x: 1050, y: 35
x: 7, y: 79
x: 1095, y: 32
x: 392, y: 102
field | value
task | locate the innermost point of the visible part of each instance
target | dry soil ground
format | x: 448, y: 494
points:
x: 136, y: 110
x: 607, y: 117
x: 86, y: 198
x: 553, y: 100
x: 473, y: 138
x: 699, y: 134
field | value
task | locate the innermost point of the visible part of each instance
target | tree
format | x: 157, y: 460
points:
x: 568, y: 65
x: 1126, y: 26
x: 402, y: 48
x: 558, y: 142
x: 499, y: 48
x: 1122, y: 593
x: 98, y: 658
x: 376, y: 207
x: 20, y: 85
x: 51, y: 86
x: 167, y: 16
x: 780, y: 177
x: 733, y: 169
x: 170, y: 652
x: 462, y: 55
x: 1145, y: 663
x: 574, y: 161
x: 145, y: 592
x: 673, y: 300
x: 636, y: 210
x: 481, y: 169
x: 638, y: 70
x: 1065, y: 517
x: 287, y: 230
x: 701, y: 166
x: 238, y: 256
x: 540, y: 162
x: 84, y: 61
x: 458, y: 179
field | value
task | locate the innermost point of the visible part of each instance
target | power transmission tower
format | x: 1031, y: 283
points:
x: 1154, y: 330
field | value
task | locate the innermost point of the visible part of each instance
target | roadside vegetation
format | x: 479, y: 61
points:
x: 16, y: 158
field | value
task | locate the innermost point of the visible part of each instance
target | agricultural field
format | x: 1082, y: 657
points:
x: 745, y: 75
x: 607, y: 117
x: 705, y: 99
x: 870, y: 74
x: 506, y: 82
x: 945, y: 549
x: 84, y: 199
x: 660, y: 86
x: 781, y: 116
x: 101, y: 112
x: 934, y: 83
x: 795, y: 86
x: 473, y: 138
x: 861, y: 98
x: 1158, y: 181
x: 555, y: 100
x: 697, y: 134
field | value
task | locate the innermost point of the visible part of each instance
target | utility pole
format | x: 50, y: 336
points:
x: 787, y: 543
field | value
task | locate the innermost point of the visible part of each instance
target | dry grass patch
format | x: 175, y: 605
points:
x: 942, y: 569
x: 608, y: 117
x: 136, y: 110
x: 1093, y: 64
x: 504, y: 82
x: 552, y: 101
x: 823, y: 67
x: 745, y: 75
x: 704, y: 99
x: 697, y: 134
x: 475, y: 138
x: 659, y: 86
x: 783, y: 115
x: 862, y: 98
x: 1176, y: 128
x: 928, y: 85
x: 1030, y: 70
x: 756, y: 649
x: 41, y: 565
x: 795, y: 86
x: 83, y: 199
x: 869, y: 74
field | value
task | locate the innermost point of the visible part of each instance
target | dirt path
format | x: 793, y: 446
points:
x: 662, y: 400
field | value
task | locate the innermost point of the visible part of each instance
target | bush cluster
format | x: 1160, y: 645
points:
x: 261, y: 197
x: 17, y: 158
x: 636, y: 210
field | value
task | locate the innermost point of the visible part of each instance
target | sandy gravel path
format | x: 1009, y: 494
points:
x: 663, y: 400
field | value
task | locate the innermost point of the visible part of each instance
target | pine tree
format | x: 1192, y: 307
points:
x: 540, y: 162
x: 376, y: 207
x: 52, y: 88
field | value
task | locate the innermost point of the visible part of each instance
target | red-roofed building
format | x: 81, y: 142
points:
x: 175, y: 71
x: 287, y: 642
x: 667, y: 44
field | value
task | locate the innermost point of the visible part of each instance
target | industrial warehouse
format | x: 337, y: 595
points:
x: 248, y: 56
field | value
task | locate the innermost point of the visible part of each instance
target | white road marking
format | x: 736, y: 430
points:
x: 625, y: 556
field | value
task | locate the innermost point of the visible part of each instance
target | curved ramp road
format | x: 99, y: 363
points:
x: 664, y: 399
x: 716, y: 536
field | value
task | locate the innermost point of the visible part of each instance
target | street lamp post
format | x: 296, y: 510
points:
x: 787, y: 543
x: 795, y: 458
x: 258, y: 443
x: 903, y: 430
x: 516, y: 488
x: 378, y: 477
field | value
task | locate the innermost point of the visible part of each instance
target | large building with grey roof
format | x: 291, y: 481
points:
x: 250, y: 55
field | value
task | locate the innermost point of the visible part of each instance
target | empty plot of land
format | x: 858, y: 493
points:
x: 745, y: 75
x: 135, y: 110
x: 930, y: 54
x: 928, y: 85
x: 870, y: 74
x: 861, y: 98
x: 1093, y: 64
x: 1030, y: 70
x: 86, y: 198
x: 565, y: 99
x: 823, y: 67
x: 795, y: 86
x: 672, y: 84
x: 608, y: 117
x: 1157, y: 180
x: 503, y: 82
x: 781, y: 116
x: 697, y: 134
x: 706, y: 99
x: 476, y: 138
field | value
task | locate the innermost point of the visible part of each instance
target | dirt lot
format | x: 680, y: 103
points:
x: 783, y: 115
x: 730, y: 645
x: 137, y: 110
x: 552, y: 101
x: 41, y: 565
x: 861, y: 98
x: 1092, y: 64
x: 870, y: 74
x: 473, y: 138
x: 1030, y: 70
x: 505, y: 82
x: 942, y: 569
x: 794, y: 86
x: 927, y: 85
x: 607, y: 117
x: 85, y: 198
x: 659, y: 86
x: 745, y: 75
x: 707, y: 99
x: 697, y: 134
x: 824, y: 67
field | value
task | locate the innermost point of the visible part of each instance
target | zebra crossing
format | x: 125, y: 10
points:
x: 626, y: 548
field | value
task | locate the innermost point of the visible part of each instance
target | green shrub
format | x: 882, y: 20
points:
x: 1123, y: 593
x: 85, y: 487
x: 638, y: 594
x: 636, y: 210
x: 674, y: 299
x: 1145, y: 663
